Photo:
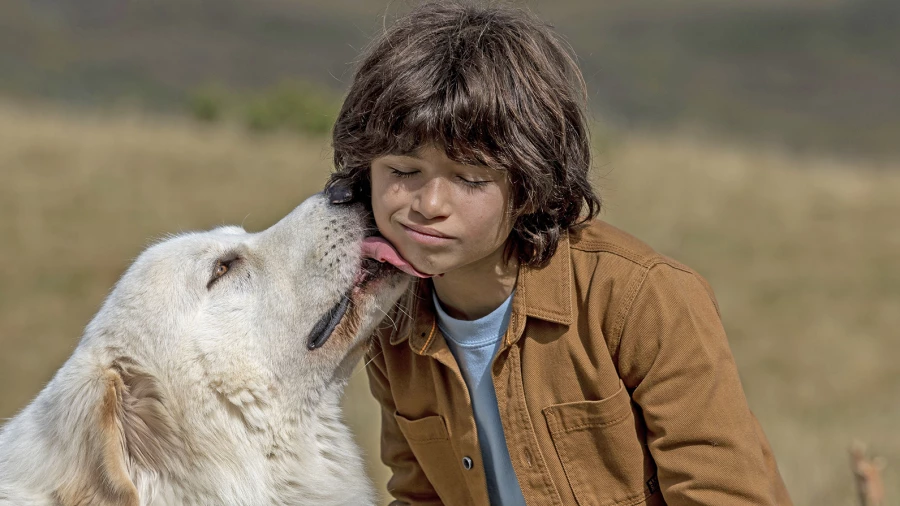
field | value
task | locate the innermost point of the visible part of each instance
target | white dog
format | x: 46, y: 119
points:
x: 212, y: 374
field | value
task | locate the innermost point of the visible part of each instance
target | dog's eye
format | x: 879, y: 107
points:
x: 221, y: 269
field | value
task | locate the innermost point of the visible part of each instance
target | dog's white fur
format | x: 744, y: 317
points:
x: 181, y: 393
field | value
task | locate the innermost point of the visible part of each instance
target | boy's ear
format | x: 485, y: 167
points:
x: 134, y: 433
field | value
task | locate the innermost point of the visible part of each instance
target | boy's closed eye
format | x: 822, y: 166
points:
x: 402, y: 173
x: 469, y: 180
x: 474, y: 183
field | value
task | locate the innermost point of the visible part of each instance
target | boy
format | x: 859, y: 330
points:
x: 544, y: 357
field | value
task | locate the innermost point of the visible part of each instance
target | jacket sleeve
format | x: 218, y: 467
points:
x: 674, y: 356
x: 408, y: 484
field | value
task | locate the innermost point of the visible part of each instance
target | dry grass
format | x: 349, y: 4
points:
x: 803, y: 254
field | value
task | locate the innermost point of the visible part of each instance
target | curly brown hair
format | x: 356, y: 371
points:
x: 491, y: 86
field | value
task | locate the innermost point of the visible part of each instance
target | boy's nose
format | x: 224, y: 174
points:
x: 339, y: 194
x: 431, y: 200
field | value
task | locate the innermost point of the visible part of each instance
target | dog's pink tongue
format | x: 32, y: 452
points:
x: 379, y: 249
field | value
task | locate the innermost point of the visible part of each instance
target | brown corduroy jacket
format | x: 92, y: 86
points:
x: 615, y: 385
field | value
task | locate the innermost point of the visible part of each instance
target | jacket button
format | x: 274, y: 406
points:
x: 467, y: 463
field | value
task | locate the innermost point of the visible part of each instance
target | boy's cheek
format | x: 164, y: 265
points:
x: 384, y: 225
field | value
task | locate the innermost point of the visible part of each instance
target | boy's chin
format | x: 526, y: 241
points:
x: 432, y: 270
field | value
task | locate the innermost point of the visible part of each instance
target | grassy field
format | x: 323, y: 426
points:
x: 802, y: 252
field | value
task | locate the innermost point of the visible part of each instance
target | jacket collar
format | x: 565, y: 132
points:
x: 544, y: 293
x: 547, y: 292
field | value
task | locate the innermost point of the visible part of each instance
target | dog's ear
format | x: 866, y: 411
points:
x: 150, y: 432
x: 133, y: 436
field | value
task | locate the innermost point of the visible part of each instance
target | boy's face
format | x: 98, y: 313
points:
x: 441, y: 215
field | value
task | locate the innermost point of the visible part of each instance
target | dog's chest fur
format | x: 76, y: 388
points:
x: 259, y: 452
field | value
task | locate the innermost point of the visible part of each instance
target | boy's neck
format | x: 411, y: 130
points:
x: 474, y: 291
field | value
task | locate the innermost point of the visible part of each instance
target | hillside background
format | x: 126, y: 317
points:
x: 808, y: 73
x: 755, y: 141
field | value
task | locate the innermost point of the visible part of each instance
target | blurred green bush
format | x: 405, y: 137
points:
x: 294, y: 105
x: 209, y: 103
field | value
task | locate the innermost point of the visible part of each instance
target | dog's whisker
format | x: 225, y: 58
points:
x: 388, y: 317
x: 404, y: 311
x: 368, y: 362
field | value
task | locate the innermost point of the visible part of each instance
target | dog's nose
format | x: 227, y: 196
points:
x: 339, y: 194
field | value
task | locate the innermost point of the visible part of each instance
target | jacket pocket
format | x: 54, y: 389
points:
x: 430, y: 442
x: 603, y: 451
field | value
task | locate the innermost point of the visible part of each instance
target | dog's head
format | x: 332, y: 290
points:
x: 289, y: 303
x: 222, y: 336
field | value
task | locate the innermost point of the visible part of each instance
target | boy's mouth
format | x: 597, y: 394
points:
x: 379, y: 249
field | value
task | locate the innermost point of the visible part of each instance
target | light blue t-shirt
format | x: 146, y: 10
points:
x: 474, y: 344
